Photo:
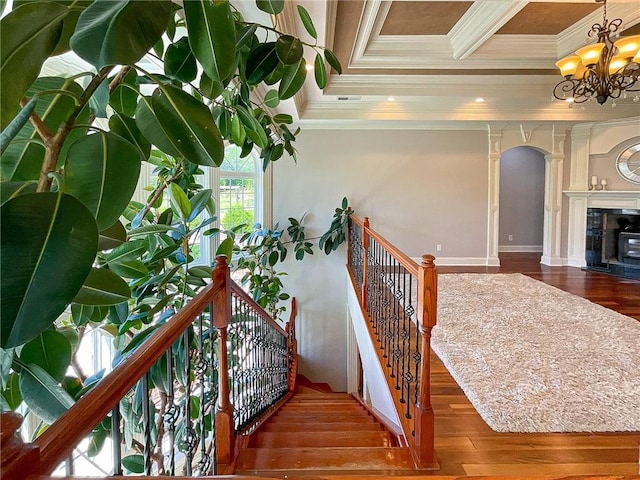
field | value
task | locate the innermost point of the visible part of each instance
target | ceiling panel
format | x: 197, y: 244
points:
x: 423, y: 18
x: 547, y: 18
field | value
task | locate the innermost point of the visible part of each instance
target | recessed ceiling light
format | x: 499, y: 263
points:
x: 479, y: 100
x: 569, y: 99
x: 309, y: 67
x: 391, y: 99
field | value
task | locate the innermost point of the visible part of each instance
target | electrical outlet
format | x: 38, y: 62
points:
x: 511, y: 238
x: 438, y: 248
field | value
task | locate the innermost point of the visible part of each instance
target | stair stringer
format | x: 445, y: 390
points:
x: 374, y: 380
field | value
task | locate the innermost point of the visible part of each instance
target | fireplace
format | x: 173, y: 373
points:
x: 613, y: 241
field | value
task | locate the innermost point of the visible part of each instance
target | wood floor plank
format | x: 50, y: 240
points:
x: 552, y: 470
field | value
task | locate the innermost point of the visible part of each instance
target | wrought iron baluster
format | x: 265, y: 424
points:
x: 146, y: 424
x: 201, y: 371
x: 171, y: 413
x: 116, y: 439
x: 188, y: 430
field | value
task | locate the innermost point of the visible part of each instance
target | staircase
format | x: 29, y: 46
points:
x: 318, y: 433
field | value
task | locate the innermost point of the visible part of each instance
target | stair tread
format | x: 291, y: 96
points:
x: 350, y: 458
x: 321, y: 427
x: 321, y: 439
x: 318, y: 417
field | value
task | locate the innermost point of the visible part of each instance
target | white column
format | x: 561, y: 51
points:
x: 493, y: 217
x: 577, y: 231
x: 553, y: 202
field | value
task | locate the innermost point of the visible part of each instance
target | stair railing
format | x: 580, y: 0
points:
x: 398, y: 299
x: 174, y: 405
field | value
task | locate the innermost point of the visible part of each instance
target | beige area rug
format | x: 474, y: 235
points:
x: 533, y: 358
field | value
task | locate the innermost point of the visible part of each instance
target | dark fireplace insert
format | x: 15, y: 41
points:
x: 613, y: 241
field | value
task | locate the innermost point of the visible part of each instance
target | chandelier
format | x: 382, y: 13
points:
x: 603, y: 69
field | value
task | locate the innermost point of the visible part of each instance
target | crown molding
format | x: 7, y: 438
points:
x: 479, y: 22
x: 369, y: 26
x: 576, y: 35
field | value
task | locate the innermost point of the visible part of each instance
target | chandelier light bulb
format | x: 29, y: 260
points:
x: 601, y: 70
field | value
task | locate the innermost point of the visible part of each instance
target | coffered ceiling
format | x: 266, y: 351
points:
x: 437, y: 57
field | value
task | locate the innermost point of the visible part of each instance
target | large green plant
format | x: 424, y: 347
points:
x: 71, y: 240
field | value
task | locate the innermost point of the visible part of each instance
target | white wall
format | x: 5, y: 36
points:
x: 418, y: 192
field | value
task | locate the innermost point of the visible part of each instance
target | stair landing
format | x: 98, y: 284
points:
x: 323, y: 433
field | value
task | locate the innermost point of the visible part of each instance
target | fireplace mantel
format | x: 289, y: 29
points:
x: 579, y: 201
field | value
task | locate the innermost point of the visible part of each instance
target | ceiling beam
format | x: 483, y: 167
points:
x: 479, y: 23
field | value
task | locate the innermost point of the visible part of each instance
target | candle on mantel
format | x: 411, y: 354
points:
x: 594, y: 181
x: 603, y: 182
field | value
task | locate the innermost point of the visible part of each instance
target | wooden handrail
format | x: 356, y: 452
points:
x: 58, y: 441
x: 422, y: 443
x: 246, y: 298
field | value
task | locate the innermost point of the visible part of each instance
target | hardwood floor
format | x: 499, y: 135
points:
x: 465, y: 445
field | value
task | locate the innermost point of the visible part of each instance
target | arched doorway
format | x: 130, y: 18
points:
x: 521, y: 200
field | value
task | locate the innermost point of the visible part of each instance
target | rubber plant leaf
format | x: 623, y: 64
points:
x: 127, y: 128
x: 307, y: 22
x: 17, y: 123
x: 22, y: 159
x: 292, y: 80
x: 320, y: 72
x: 28, y: 35
x: 112, y: 237
x: 262, y: 61
x: 124, y: 98
x: 102, y: 287
x: 212, y: 35
x: 13, y: 189
x: 48, y: 245
x: 179, y: 62
x: 148, y: 123
x: 119, y: 33
x: 189, y: 125
x: 273, y: 7
x: 102, y: 172
x: 42, y: 393
x: 51, y: 351
x: 289, y: 49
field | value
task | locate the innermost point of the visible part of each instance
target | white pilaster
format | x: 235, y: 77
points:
x: 493, y: 218
x: 580, y: 143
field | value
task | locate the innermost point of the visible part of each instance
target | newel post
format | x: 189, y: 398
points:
x: 427, y: 308
x: 292, y: 347
x: 365, y: 261
x: 225, y: 430
x: 19, y: 459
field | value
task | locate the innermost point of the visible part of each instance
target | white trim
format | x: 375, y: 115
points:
x: 520, y: 248
x: 462, y: 261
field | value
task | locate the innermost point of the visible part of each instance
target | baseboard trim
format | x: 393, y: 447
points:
x: 462, y: 261
x: 520, y: 248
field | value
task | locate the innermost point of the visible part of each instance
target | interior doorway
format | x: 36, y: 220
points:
x: 521, y: 200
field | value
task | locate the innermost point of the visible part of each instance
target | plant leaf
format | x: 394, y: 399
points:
x: 289, y: 49
x: 273, y: 7
x: 42, y: 394
x: 11, y: 392
x: 119, y: 33
x: 149, y: 125
x: 127, y: 251
x: 124, y: 98
x: 333, y: 61
x: 292, y: 80
x: 127, y: 128
x: 38, y: 232
x: 179, y: 61
x: 13, y: 189
x: 50, y: 350
x: 271, y: 99
x: 17, y: 123
x: 28, y: 35
x: 261, y: 62
x: 133, y: 463
x: 307, y: 22
x: 198, y: 203
x: 212, y: 35
x: 102, y: 287
x: 226, y: 248
x: 99, y: 100
x: 189, y: 125
x: 112, y: 237
x: 102, y: 172
x: 179, y: 201
x: 320, y: 72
